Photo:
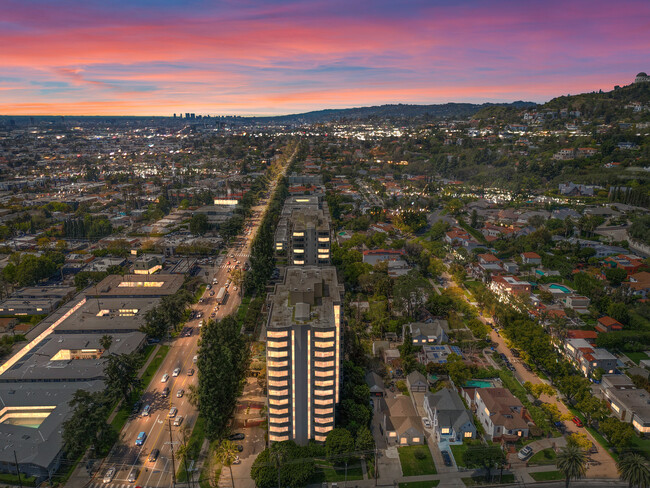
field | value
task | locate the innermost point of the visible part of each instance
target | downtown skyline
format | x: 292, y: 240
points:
x: 279, y: 57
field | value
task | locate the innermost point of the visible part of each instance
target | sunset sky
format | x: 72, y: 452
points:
x: 157, y: 57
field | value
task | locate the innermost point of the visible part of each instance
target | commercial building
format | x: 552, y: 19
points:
x: 137, y: 286
x: 303, y: 353
x: 35, y: 300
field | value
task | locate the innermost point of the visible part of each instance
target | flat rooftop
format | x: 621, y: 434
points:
x: 31, y: 418
x: 137, y: 286
x: 69, y: 357
x: 108, y: 315
x: 306, y: 296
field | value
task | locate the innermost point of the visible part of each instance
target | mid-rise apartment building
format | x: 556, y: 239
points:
x: 303, y: 354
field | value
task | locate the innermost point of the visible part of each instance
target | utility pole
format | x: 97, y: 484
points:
x: 20, y: 481
x: 376, y: 469
x: 171, y: 444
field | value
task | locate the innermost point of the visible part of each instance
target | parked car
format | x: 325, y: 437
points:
x: 108, y: 476
x: 525, y: 453
x: 577, y: 421
x: 446, y: 458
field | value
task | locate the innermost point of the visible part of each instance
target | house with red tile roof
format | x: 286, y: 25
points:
x: 531, y: 258
x: 639, y: 284
x: 608, y: 324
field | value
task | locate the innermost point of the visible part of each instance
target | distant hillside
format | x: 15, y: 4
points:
x: 592, y: 103
x: 399, y: 111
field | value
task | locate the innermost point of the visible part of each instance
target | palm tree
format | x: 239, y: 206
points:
x: 226, y: 455
x: 572, y: 461
x: 634, y: 469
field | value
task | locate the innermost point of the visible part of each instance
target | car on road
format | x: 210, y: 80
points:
x: 446, y: 458
x: 108, y: 476
x: 133, y: 475
x: 176, y: 372
x: 577, y: 421
x: 146, y: 410
x: 172, y: 412
x: 195, y: 359
x: 142, y: 436
x: 525, y: 453
x: 180, y: 393
x: 165, y: 392
x: 237, y: 437
x: 178, y: 420
x: 153, y: 456
x: 164, y: 378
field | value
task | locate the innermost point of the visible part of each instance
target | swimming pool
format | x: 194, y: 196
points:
x: 559, y: 287
x: 478, y: 384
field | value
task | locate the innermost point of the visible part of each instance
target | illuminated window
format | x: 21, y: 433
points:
x: 277, y: 333
x: 615, y: 407
x: 416, y: 439
x: 279, y: 392
x: 321, y: 428
x: 468, y: 434
x: 444, y: 430
x: 299, y: 251
x: 324, y: 420
x: 141, y: 284
x: 277, y: 344
x: 323, y: 256
x: 277, y: 354
x: 320, y: 438
x: 298, y: 234
x: 278, y: 383
x: 318, y: 401
x: 277, y: 364
x: 323, y: 239
x: 296, y: 261
x: 278, y: 438
x: 323, y: 392
x: 324, y: 354
x: 324, y: 344
x: 278, y: 411
x: 323, y: 364
x: 324, y: 335
x: 324, y: 383
x: 278, y: 401
x: 323, y: 373
x: 403, y: 440
x: 280, y: 420
x: 323, y: 411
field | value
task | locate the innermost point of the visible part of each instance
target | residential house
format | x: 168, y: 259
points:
x: 608, y: 324
x: 400, y: 422
x: 375, y: 256
x: 437, y: 354
x: 578, y: 303
x: 629, y: 263
x: 450, y: 419
x: 416, y: 381
x: 427, y: 333
x: 639, y: 284
x: 509, y: 287
x: 627, y: 403
x: 587, y: 358
x: 376, y: 384
x: 501, y: 414
x: 531, y: 258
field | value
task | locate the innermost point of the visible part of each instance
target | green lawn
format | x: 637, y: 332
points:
x: 545, y: 456
x: 326, y: 471
x: 458, y: 452
x: 480, y: 480
x: 547, y: 476
x: 193, y: 448
x: 13, y: 479
x: 154, y: 365
x: 642, y: 445
x: 411, y: 465
x: 420, y: 484
x: 636, y: 356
